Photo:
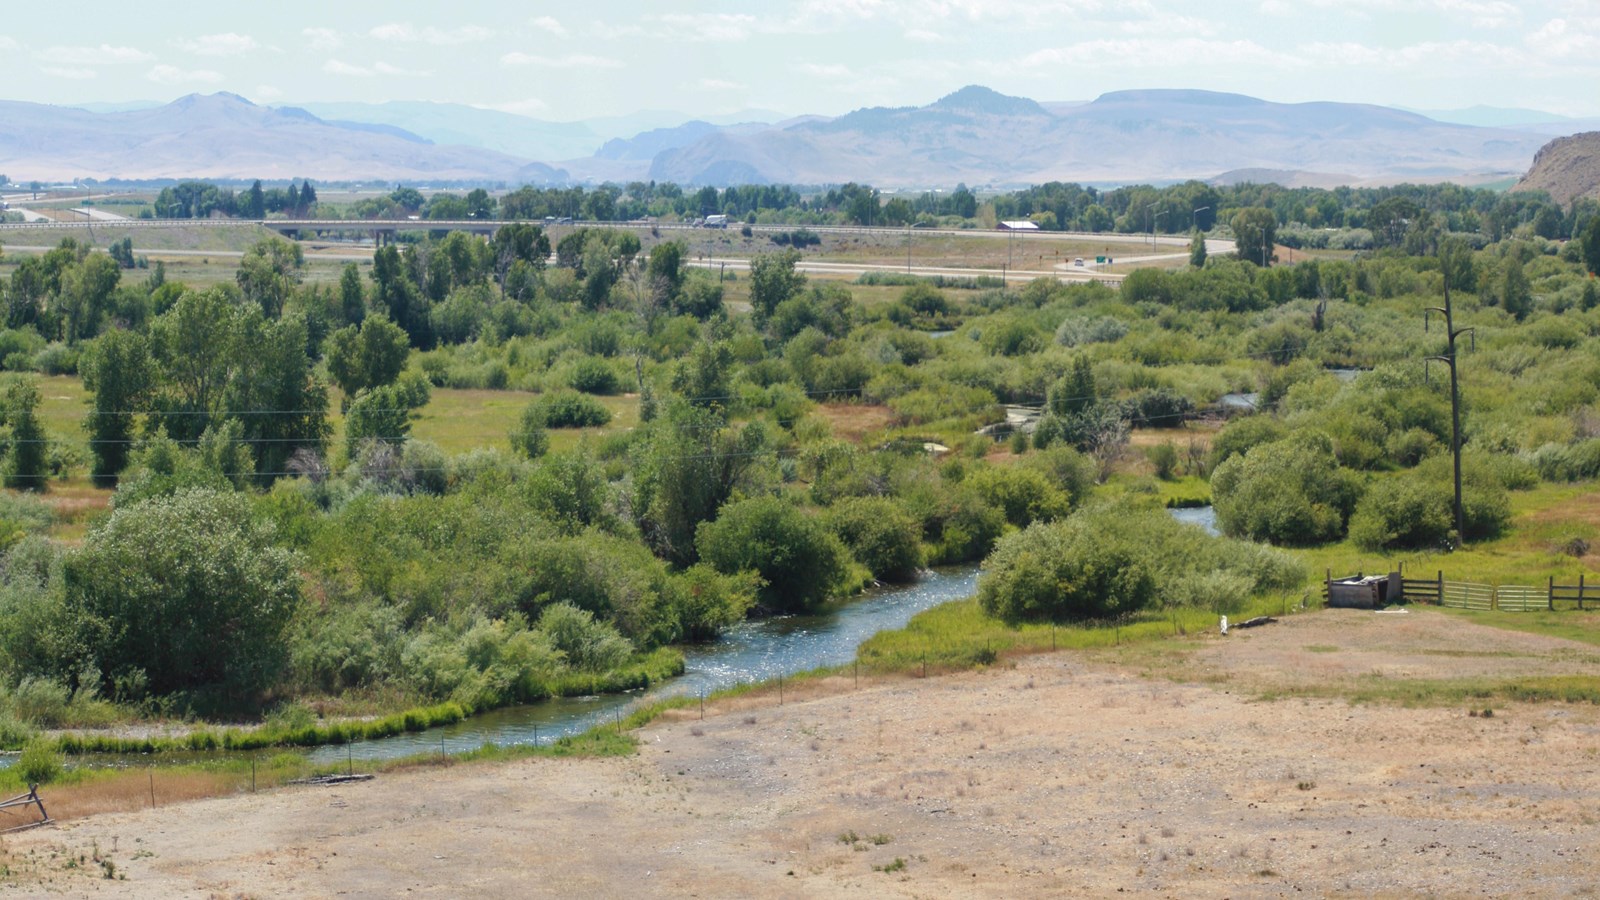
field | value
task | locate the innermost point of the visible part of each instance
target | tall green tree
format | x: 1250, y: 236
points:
x: 370, y: 355
x: 196, y: 347
x: 1255, y: 232
x: 278, y: 402
x: 773, y: 279
x: 1197, y: 250
x: 119, y: 373
x: 269, y: 273
x: 352, y: 295
x: 1590, y: 244
x: 27, y: 459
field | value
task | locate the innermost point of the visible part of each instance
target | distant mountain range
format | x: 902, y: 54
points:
x: 224, y: 136
x: 975, y: 135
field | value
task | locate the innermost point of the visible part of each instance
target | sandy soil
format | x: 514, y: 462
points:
x: 1058, y: 775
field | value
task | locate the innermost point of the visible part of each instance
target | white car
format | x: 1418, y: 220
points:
x: 1078, y: 262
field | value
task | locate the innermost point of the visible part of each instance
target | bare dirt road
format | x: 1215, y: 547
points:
x: 1060, y: 775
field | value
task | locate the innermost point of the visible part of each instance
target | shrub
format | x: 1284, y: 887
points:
x: 880, y: 534
x: 1289, y: 492
x: 570, y: 409
x: 1239, y: 436
x: 199, y: 594
x: 593, y: 375
x: 1416, y: 509
x: 1063, y: 571
x: 1164, y: 459
x: 1076, y: 331
x: 1158, y: 408
x: 40, y: 762
x: 1024, y: 495
x: 588, y: 645
x: 1110, y: 561
x: 800, y: 562
x: 529, y: 437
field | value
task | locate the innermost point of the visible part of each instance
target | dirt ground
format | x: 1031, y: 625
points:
x: 1059, y: 775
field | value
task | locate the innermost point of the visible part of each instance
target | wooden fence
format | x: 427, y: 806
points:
x: 22, y: 801
x: 1437, y: 591
x: 1565, y: 596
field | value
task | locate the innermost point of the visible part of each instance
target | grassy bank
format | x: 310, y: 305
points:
x: 652, y: 668
x: 82, y: 791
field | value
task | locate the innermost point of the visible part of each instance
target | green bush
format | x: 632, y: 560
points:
x: 586, y: 644
x: 188, y: 589
x: 529, y: 437
x: 1024, y: 495
x: 570, y: 409
x: 1289, y: 492
x: 593, y: 375
x: 1241, y: 435
x: 799, y: 561
x: 1063, y: 571
x: 880, y: 534
x: 40, y: 762
x: 1416, y: 509
x: 1111, y: 561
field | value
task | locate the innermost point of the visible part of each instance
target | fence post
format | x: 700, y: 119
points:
x: 1439, y: 587
x: 1550, y: 593
x: 1580, y: 593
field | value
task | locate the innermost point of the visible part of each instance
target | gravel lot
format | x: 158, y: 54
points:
x: 1060, y: 774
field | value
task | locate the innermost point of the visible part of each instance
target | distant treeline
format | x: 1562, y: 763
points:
x: 1385, y: 212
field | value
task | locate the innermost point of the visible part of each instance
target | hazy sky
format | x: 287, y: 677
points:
x: 611, y: 57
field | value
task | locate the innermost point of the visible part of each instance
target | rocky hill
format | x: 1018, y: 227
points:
x: 1566, y: 168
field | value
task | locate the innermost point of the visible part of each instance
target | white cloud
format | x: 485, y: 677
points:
x: 406, y: 33
x: 7, y: 43
x: 570, y: 61
x: 103, y: 55
x: 717, y: 84
x: 340, y: 67
x: 1565, y: 38
x: 383, y: 68
x: 924, y: 36
x: 165, y: 74
x: 550, y: 25
x: 705, y: 26
x: 1482, y: 13
x: 322, y: 38
x: 1146, y: 53
x: 226, y: 44
x: 74, y: 73
x: 819, y: 70
x: 266, y: 93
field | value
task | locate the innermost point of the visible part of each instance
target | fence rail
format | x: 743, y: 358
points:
x: 1563, y: 595
x: 1437, y: 591
x: 1466, y: 595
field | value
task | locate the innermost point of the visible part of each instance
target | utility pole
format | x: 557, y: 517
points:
x: 1449, y: 359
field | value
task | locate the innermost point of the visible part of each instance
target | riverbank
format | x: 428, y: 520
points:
x: 1150, y: 768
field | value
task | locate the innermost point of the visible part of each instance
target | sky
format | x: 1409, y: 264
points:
x: 575, y: 61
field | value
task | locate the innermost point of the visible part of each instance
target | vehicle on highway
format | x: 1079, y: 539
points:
x: 1078, y: 262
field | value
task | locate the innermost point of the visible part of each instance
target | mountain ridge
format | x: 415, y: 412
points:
x: 975, y: 135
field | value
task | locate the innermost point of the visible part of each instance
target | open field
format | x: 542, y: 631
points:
x: 1069, y: 773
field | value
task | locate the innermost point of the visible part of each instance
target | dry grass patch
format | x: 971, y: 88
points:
x: 854, y: 421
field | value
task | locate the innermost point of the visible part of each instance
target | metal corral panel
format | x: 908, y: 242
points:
x: 1367, y: 593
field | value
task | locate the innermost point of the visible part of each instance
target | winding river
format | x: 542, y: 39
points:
x: 753, y: 651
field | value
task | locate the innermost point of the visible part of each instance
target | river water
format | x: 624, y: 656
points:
x: 753, y: 651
